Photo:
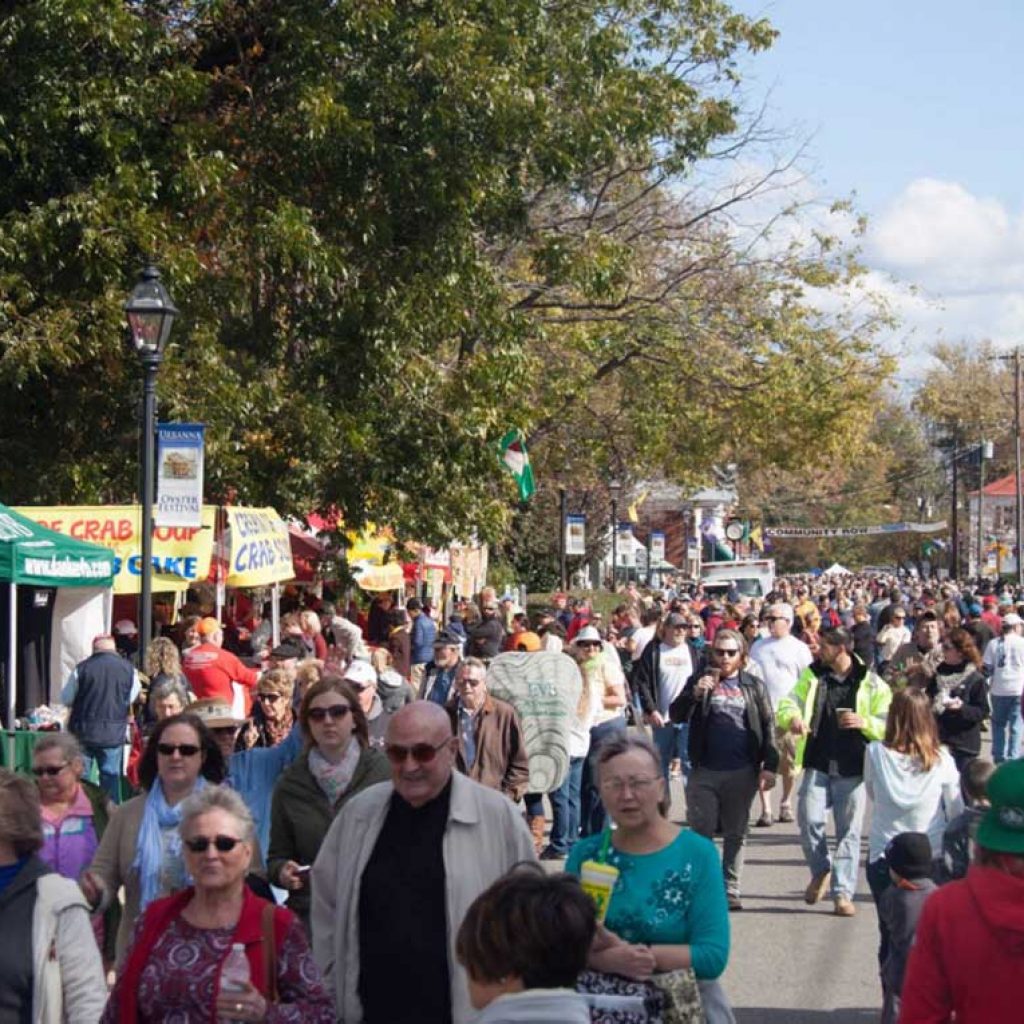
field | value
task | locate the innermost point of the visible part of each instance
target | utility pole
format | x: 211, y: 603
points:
x: 1016, y: 458
x: 954, y: 546
x: 563, y: 576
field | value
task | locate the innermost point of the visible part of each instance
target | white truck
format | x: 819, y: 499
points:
x: 750, y: 577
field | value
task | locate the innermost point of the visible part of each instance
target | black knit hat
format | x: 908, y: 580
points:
x: 910, y: 855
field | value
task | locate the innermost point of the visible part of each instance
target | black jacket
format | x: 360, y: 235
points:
x: 759, y: 719
x: 644, y: 680
x: 961, y: 730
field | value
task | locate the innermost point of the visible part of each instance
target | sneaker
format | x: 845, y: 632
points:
x: 817, y: 887
x: 844, y: 907
x: 785, y: 814
x: 765, y: 821
x: 735, y: 903
x: 550, y: 853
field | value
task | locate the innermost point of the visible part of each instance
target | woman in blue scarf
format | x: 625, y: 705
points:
x: 141, y: 848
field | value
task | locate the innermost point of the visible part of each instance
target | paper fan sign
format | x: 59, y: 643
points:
x: 544, y: 687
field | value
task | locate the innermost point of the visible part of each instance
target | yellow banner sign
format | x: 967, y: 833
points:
x: 259, y: 550
x: 181, y: 554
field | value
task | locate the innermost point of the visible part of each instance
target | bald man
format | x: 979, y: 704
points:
x: 397, y: 872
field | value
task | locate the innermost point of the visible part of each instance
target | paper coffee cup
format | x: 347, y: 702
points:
x: 598, y: 881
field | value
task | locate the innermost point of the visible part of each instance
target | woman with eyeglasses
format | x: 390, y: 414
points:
x: 667, y: 910
x: 75, y: 814
x: 338, y: 762
x: 959, y: 695
x: 272, y: 717
x: 141, y: 848
x: 173, y: 970
x: 731, y: 748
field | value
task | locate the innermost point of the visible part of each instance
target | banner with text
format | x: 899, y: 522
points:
x: 576, y: 535
x: 259, y: 551
x: 179, y: 477
x: 181, y: 554
x: 853, y: 531
x: 657, y: 547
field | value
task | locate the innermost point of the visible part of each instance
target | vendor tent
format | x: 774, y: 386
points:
x: 32, y: 556
x: 835, y: 569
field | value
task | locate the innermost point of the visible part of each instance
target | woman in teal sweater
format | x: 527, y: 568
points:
x: 668, y: 908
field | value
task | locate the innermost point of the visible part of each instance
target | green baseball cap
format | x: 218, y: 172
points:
x: 1002, y: 827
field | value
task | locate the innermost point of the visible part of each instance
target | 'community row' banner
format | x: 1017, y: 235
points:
x: 852, y: 531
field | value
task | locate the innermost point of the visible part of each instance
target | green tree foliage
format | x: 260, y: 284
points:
x: 395, y: 230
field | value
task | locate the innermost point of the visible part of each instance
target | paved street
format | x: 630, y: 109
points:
x: 790, y: 963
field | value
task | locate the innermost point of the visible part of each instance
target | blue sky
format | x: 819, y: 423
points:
x: 916, y: 108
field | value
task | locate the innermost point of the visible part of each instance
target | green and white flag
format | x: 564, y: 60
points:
x: 513, y: 454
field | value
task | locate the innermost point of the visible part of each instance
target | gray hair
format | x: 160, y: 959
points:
x: 626, y: 743
x: 62, y: 741
x: 168, y: 688
x: 219, y: 798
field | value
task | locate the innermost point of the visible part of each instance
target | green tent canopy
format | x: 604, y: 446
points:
x: 35, y: 555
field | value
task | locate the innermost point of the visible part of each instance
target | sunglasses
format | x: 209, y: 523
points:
x: 270, y: 696
x: 223, y: 844
x: 338, y: 711
x: 224, y: 730
x: 422, y: 753
x: 725, y: 652
x: 185, y: 749
x: 775, y: 618
x: 50, y: 770
x: 588, y: 643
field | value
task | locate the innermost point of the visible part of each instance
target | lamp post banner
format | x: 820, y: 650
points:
x: 853, y: 531
x: 657, y: 547
x: 575, y: 535
x: 179, y: 480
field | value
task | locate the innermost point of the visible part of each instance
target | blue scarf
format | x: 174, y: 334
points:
x: 149, y: 851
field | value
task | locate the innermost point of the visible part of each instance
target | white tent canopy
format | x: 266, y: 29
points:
x: 835, y: 569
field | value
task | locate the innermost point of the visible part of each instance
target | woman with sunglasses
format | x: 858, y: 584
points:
x: 731, y: 749
x: 75, y: 814
x: 959, y: 695
x: 174, y: 967
x: 338, y: 762
x: 141, y: 848
x: 272, y: 717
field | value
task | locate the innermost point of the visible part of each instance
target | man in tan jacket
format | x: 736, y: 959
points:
x: 397, y: 872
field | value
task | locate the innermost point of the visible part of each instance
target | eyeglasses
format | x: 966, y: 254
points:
x: 50, y: 770
x: 694, y: 625
x: 223, y: 844
x: 725, y: 652
x: 338, y: 711
x: 588, y: 643
x: 422, y: 753
x: 638, y: 785
x: 185, y: 749
x: 270, y: 696
x: 471, y: 682
x: 775, y: 618
x: 224, y: 730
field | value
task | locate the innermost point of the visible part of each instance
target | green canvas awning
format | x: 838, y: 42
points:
x: 33, y: 554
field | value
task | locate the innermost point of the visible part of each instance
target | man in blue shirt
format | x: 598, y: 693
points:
x: 439, y: 674
x: 421, y: 642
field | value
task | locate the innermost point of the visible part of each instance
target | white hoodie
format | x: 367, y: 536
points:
x: 907, y: 799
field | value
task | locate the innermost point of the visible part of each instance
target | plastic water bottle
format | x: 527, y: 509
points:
x: 234, y: 976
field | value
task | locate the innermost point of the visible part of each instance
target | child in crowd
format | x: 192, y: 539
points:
x: 909, y: 856
x: 523, y: 943
x: 956, y: 842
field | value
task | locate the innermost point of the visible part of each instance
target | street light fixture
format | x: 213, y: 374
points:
x: 150, y: 314
x: 614, y: 490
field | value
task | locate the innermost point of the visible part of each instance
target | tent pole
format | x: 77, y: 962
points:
x: 12, y: 667
x: 275, y: 614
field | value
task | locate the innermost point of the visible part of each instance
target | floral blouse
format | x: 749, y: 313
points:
x: 178, y: 983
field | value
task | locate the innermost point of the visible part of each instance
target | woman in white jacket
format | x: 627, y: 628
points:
x: 913, y: 783
x: 49, y: 960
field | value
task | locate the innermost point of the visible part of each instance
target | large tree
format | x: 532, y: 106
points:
x: 395, y: 230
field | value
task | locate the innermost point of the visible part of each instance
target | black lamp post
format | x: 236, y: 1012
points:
x: 614, y: 489
x: 150, y: 314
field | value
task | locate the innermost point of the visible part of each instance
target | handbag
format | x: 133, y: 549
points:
x: 613, y: 999
x: 681, y: 996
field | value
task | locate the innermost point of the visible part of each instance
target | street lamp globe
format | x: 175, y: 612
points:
x: 150, y: 315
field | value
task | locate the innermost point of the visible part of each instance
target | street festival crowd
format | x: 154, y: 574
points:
x: 340, y: 827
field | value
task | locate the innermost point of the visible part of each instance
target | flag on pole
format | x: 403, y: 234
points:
x: 515, y: 457
x: 756, y: 538
x: 633, y: 512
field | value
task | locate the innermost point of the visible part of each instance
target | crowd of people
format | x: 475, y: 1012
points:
x: 350, y: 809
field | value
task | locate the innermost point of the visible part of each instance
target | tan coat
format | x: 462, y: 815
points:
x: 484, y: 838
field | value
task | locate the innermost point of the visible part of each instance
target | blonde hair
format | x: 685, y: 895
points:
x: 309, y: 671
x: 381, y: 660
x: 275, y: 680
